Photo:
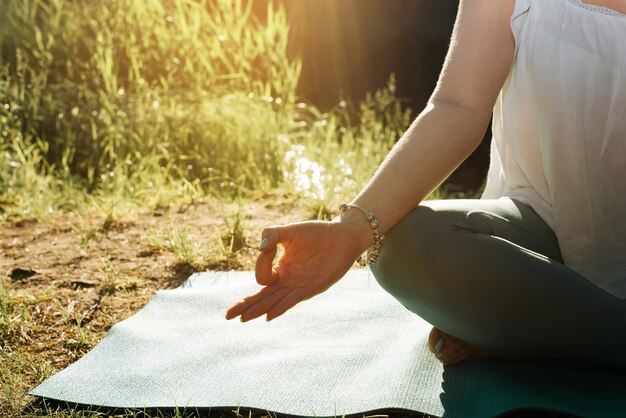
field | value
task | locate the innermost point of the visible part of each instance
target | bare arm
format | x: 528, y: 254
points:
x: 452, y: 124
x: 318, y: 254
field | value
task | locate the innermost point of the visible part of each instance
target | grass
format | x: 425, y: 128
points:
x: 234, y: 220
x: 221, y: 249
x: 178, y: 242
x: 199, y: 100
x: 105, y: 114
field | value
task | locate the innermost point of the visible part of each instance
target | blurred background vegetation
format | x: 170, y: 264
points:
x: 141, y: 102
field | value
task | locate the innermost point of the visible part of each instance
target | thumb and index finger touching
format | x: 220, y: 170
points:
x: 270, y: 238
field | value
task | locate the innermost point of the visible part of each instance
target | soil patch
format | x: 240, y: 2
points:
x: 69, y: 279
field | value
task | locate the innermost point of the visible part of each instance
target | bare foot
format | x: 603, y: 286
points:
x: 451, y: 350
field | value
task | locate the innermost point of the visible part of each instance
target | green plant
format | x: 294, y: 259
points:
x: 112, y: 278
x: 334, y: 157
x: 234, y: 238
x: 178, y: 242
x: 169, y: 101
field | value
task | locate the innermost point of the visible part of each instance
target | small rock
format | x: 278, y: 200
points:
x: 18, y: 274
x: 82, y: 284
x: 146, y: 253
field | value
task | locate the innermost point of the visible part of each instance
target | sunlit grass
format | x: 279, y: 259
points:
x: 168, y: 102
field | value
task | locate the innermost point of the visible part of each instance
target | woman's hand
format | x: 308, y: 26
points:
x: 317, y: 254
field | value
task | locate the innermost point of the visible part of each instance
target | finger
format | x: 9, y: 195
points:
x: 239, y: 307
x: 264, y: 305
x: 264, y: 271
x: 265, y: 275
x: 288, y: 302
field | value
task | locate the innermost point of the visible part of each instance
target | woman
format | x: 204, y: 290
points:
x: 535, y: 269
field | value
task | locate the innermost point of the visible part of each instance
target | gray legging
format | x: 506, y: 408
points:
x: 490, y: 273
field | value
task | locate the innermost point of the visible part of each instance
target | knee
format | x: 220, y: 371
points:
x: 409, y: 250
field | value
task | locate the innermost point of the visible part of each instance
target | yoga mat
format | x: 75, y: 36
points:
x: 352, y: 350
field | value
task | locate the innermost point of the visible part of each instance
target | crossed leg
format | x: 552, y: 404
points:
x: 488, y: 275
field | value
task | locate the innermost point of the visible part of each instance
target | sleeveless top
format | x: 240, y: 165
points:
x: 559, y: 132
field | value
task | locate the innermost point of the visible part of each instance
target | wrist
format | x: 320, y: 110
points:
x: 356, y: 224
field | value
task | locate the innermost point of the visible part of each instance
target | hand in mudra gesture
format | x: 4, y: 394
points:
x: 317, y: 254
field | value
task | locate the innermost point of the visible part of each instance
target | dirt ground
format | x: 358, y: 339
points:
x: 70, y: 278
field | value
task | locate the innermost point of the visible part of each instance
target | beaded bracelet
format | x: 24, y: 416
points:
x: 377, y: 245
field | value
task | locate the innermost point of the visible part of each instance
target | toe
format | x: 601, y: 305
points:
x: 433, y: 338
x: 453, y: 350
x: 449, y: 350
x: 456, y: 357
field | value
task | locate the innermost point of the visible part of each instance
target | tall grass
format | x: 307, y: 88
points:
x: 151, y: 100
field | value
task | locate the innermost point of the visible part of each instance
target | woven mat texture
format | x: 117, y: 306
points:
x: 352, y: 350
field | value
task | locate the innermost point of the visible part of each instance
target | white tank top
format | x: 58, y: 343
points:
x: 559, y: 132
